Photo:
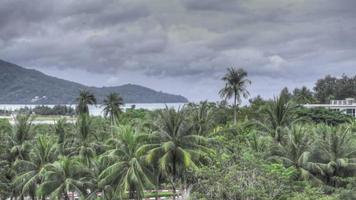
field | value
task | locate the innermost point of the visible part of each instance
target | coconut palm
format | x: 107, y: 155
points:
x: 29, y: 175
x: 21, y: 136
x: 85, y: 99
x: 112, y: 104
x: 82, y: 143
x: 66, y: 175
x: 175, y: 146
x: 296, y: 152
x: 60, y: 131
x: 235, y: 86
x: 126, y: 172
x: 335, y: 152
x: 278, y: 114
x: 303, y: 95
x: 201, y: 116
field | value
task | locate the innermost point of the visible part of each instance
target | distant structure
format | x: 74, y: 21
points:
x: 37, y: 98
x: 347, y: 106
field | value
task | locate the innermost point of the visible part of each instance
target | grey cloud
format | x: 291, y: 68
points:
x: 183, y: 40
x: 213, y: 5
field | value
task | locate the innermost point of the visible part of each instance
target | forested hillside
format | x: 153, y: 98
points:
x: 26, y: 86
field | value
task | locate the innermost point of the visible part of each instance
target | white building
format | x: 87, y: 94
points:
x: 347, y: 106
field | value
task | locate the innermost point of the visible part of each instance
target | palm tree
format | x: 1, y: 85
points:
x: 296, y: 152
x: 278, y: 114
x: 303, y: 95
x: 85, y: 99
x: 202, y: 117
x: 235, y: 86
x: 82, y: 143
x: 64, y: 176
x: 126, y: 171
x: 335, y: 152
x: 29, y: 176
x: 175, y: 146
x: 21, y: 136
x: 112, y: 108
x: 60, y: 131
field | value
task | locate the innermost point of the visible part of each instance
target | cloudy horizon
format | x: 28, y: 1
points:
x: 182, y: 46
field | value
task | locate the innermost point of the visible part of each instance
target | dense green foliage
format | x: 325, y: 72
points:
x: 62, y: 110
x: 325, y: 89
x: 22, y: 86
x: 276, y: 150
x: 323, y: 115
x: 270, y: 154
x: 335, y: 88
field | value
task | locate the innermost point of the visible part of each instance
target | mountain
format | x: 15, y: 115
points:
x: 27, y: 86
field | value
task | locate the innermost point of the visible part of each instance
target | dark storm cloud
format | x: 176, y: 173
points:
x: 182, y: 38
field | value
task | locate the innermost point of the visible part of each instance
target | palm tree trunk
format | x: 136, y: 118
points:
x: 235, y: 107
x: 174, y: 177
x: 174, y: 191
x: 156, y: 194
x: 157, y: 186
x: 111, y: 127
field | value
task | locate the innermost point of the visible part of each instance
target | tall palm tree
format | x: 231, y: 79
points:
x: 126, y: 172
x: 112, y: 110
x: 85, y: 99
x: 64, y: 176
x: 175, y: 146
x: 29, y: 175
x: 235, y: 86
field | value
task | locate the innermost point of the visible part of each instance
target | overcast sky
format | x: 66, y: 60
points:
x: 182, y: 46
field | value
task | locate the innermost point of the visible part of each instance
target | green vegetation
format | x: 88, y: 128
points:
x: 235, y: 86
x: 275, y: 149
x: 57, y: 110
x: 335, y: 88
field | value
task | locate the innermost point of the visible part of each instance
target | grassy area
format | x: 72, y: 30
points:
x: 153, y: 194
x: 160, y: 194
x: 53, y: 117
x: 44, y: 118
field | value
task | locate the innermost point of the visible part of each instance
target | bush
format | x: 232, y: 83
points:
x: 310, y: 193
x: 247, y: 179
x: 323, y: 115
x: 46, y: 110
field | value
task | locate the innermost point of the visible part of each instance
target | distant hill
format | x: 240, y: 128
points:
x: 26, y: 86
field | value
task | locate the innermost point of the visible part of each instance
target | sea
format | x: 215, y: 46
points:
x: 97, y: 110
